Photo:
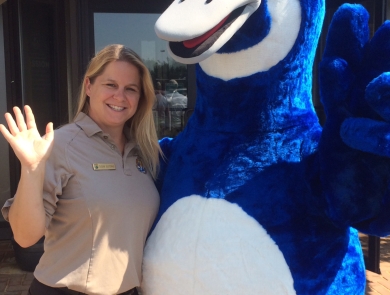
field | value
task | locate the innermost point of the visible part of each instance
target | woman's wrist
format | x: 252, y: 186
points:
x: 33, y: 169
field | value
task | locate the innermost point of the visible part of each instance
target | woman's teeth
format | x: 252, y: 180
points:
x: 116, y: 108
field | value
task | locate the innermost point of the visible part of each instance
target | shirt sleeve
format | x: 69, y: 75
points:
x: 5, y: 209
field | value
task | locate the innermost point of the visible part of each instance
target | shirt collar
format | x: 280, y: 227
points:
x: 87, y: 124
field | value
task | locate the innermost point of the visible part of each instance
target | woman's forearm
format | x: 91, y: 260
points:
x: 27, y: 213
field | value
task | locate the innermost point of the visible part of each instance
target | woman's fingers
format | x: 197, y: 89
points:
x: 30, y: 119
x: 23, y: 126
x: 23, y: 136
x: 13, y: 128
x: 20, y: 124
x: 8, y: 136
x: 20, y: 119
x: 49, y: 132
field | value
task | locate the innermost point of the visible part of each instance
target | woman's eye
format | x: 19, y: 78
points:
x: 110, y: 85
x: 131, y: 89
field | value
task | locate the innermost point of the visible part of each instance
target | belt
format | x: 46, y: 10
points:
x: 37, y: 288
x: 71, y: 292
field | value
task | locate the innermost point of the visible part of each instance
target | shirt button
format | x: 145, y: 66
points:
x: 112, y: 146
x: 105, y: 136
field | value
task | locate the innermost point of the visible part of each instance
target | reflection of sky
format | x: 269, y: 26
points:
x: 135, y: 30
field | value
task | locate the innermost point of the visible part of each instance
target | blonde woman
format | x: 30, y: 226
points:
x: 89, y: 186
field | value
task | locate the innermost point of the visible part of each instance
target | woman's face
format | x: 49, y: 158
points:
x: 114, y: 95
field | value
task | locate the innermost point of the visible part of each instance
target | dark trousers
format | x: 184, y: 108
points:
x: 37, y: 288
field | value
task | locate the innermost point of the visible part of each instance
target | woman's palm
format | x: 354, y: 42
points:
x: 23, y: 136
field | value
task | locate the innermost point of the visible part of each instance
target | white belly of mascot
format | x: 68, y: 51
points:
x: 212, y: 247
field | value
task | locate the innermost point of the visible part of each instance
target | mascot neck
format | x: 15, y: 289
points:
x: 263, y: 102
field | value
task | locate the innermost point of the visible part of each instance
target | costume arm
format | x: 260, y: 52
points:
x: 354, y: 153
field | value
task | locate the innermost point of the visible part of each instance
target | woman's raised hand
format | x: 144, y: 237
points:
x: 23, y: 136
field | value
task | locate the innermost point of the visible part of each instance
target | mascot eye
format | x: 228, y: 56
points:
x: 208, y: 1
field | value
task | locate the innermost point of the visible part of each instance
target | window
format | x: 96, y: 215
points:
x: 136, y: 30
x: 133, y: 26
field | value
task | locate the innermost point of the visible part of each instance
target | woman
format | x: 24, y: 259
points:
x: 88, y: 186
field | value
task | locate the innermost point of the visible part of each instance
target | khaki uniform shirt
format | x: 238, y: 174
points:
x: 97, y: 220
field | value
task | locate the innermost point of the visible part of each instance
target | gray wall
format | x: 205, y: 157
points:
x: 4, y: 164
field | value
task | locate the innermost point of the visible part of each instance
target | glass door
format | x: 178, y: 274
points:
x: 136, y: 30
x: 33, y: 71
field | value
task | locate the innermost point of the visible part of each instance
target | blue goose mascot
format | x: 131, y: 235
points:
x: 256, y: 197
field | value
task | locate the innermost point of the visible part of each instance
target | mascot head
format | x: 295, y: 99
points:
x: 224, y: 35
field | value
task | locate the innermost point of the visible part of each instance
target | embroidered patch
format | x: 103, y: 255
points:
x: 140, y: 165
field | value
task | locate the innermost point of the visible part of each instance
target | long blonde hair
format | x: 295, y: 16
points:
x: 142, y: 128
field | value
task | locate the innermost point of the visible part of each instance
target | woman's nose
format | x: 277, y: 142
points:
x: 119, y: 94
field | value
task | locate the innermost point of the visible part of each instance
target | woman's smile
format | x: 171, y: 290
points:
x: 115, y: 108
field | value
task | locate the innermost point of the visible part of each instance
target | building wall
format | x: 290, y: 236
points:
x: 4, y: 150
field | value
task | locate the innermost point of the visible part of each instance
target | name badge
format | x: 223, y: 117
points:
x: 103, y: 166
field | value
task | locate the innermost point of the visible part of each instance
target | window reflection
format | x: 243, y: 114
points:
x: 170, y: 106
x: 136, y: 31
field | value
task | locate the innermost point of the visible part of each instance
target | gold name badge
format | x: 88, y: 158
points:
x: 103, y: 166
